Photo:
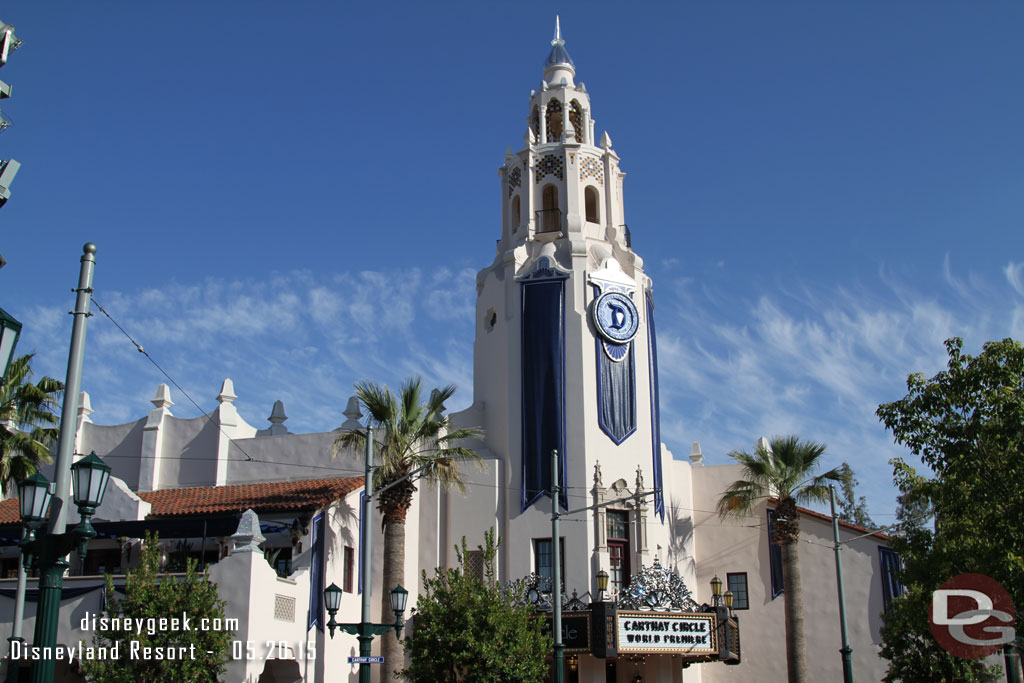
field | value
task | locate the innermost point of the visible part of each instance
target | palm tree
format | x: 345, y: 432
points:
x: 410, y: 434
x: 784, y: 468
x: 28, y: 421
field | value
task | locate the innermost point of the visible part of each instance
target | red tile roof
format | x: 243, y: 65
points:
x: 9, y: 513
x: 262, y: 497
x: 204, y: 500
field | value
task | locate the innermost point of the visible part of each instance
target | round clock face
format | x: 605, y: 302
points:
x: 615, y: 317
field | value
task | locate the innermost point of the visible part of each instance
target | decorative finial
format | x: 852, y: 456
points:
x: 353, y: 415
x: 162, y: 399
x: 247, y: 538
x: 558, y: 34
x: 227, y: 392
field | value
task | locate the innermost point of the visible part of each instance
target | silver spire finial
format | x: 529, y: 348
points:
x: 558, y: 34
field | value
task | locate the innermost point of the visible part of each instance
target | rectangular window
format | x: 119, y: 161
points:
x: 618, y: 550
x: 774, y: 558
x: 618, y: 525
x: 737, y: 583
x: 542, y: 556
x: 889, y: 560
x: 350, y: 566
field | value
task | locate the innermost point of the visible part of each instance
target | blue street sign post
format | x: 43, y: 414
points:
x: 365, y: 660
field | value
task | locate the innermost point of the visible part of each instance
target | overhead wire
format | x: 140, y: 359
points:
x: 145, y: 353
x: 354, y: 472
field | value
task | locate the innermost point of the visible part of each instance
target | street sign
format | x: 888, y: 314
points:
x: 365, y: 660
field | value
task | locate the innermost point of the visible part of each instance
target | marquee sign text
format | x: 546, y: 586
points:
x: 666, y: 632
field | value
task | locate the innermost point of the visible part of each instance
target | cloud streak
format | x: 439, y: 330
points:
x: 796, y: 358
x: 816, y: 362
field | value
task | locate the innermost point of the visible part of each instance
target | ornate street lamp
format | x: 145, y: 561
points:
x: 728, y: 601
x: 332, y: 601
x: 10, y: 329
x: 364, y: 629
x: 33, y: 499
x: 602, y: 584
x: 33, y: 504
x: 399, y: 596
x: 716, y: 590
x: 89, y: 477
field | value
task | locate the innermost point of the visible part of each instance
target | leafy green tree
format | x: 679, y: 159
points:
x: 28, y: 421
x: 785, y: 469
x: 199, y: 654
x: 471, y: 630
x: 410, y: 433
x: 967, y: 426
x: 851, y: 508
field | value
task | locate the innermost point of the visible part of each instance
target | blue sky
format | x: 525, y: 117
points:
x: 299, y: 195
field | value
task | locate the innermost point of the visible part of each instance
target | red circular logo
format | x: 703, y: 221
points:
x: 971, y: 616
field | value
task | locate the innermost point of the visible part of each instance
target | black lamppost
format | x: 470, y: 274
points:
x: 89, y: 477
x: 364, y: 630
x: 716, y: 591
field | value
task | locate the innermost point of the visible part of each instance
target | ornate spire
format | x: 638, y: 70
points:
x: 559, y: 64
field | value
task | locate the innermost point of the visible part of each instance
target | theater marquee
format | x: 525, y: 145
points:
x: 666, y: 632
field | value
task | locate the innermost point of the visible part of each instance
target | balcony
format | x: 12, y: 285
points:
x: 549, y: 220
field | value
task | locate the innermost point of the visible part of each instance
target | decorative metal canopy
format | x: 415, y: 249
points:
x: 657, y: 588
x: 535, y: 590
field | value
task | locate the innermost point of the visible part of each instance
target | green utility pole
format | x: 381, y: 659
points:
x: 365, y: 555
x: 365, y: 630
x: 51, y: 548
x: 556, y: 573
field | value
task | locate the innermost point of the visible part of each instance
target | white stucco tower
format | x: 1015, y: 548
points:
x: 565, y: 353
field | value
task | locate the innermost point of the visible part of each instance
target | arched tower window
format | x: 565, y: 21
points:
x: 550, y: 215
x: 576, y: 119
x: 554, y: 121
x: 592, y: 202
x: 516, y: 214
x: 535, y: 122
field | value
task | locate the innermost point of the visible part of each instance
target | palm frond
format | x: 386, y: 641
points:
x: 412, y: 433
x: 785, y: 469
x: 28, y: 421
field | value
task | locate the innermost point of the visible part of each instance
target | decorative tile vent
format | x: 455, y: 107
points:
x: 550, y: 165
x: 475, y: 563
x: 592, y: 168
x: 284, y: 608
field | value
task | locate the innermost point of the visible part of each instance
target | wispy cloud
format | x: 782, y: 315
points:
x: 1014, y: 272
x: 795, y: 358
x: 816, y: 363
x: 297, y: 337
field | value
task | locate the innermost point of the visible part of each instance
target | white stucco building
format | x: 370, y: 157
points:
x: 565, y: 358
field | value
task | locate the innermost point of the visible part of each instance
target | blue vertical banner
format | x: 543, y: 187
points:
x: 543, y: 380
x: 316, y: 576
x: 616, y: 380
x: 652, y: 352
